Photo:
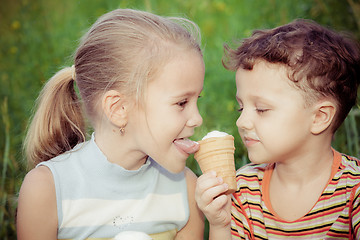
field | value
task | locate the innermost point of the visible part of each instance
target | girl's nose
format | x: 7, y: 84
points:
x: 196, y: 119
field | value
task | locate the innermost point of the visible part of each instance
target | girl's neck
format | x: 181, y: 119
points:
x: 118, y: 149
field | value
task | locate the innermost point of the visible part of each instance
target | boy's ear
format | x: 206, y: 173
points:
x: 324, y: 113
x: 115, y: 107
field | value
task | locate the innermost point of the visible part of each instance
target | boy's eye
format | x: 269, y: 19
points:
x: 261, y: 110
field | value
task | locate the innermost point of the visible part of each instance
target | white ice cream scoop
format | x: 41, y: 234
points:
x: 215, y: 134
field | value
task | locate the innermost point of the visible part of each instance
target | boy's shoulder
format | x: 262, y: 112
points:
x: 350, y: 163
x: 253, y: 167
x: 252, y: 171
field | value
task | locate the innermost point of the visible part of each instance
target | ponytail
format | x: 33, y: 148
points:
x: 58, y: 123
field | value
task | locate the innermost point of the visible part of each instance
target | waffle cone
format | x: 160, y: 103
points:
x: 217, y: 154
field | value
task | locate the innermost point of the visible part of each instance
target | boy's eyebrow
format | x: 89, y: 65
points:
x: 255, y: 98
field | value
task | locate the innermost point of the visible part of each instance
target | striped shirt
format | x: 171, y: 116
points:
x: 336, y: 214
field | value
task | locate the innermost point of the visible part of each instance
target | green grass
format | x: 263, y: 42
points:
x: 38, y: 38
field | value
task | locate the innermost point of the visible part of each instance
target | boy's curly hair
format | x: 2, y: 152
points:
x: 320, y: 61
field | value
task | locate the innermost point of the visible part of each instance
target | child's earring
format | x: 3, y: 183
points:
x: 122, y: 130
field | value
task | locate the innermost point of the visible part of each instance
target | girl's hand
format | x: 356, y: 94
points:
x: 211, y: 200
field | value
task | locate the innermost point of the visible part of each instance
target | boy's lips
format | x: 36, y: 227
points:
x: 250, y: 140
x: 186, y: 145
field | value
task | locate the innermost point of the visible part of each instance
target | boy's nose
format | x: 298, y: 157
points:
x: 243, y: 122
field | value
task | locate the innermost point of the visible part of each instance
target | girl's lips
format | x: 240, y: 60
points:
x: 186, y: 145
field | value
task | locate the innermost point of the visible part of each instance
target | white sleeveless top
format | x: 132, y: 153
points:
x: 99, y: 199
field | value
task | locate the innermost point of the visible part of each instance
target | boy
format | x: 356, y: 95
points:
x: 295, y: 86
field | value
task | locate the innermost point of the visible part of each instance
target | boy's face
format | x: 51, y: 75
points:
x: 171, y: 113
x: 274, y: 124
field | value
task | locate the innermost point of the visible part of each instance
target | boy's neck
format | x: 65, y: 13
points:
x: 304, y: 170
x: 296, y: 187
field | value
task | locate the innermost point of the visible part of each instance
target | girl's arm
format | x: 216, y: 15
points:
x: 37, y: 214
x: 194, y: 229
x: 215, y: 205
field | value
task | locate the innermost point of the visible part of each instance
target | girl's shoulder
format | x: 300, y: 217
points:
x: 80, y: 150
x: 37, y: 198
x: 38, y: 178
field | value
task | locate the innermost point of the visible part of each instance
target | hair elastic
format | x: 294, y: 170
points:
x: 73, y: 73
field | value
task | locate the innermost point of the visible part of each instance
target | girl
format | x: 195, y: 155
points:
x: 139, y: 76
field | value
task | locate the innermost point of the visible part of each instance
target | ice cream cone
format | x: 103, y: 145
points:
x: 217, y: 153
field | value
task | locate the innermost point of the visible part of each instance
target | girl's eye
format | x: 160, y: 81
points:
x: 182, y: 103
x: 240, y: 109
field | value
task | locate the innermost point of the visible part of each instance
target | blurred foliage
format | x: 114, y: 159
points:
x: 38, y: 38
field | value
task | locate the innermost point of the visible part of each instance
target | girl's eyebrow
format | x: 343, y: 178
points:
x: 187, y: 94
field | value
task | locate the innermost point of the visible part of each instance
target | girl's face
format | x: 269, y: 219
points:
x: 274, y: 124
x: 170, y: 111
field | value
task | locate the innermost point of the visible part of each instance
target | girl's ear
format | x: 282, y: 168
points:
x: 324, y: 113
x: 115, y: 107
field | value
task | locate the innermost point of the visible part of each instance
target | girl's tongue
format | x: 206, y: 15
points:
x: 187, y: 145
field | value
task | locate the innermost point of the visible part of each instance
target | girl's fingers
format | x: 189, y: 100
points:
x: 218, y: 211
x: 219, y: 202
x: 208, y: 188
x: 208, y: 180
x: 212, y: 193
x: 210, y: 198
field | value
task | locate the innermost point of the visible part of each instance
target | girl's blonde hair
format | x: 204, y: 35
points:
x: 123, y: 50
